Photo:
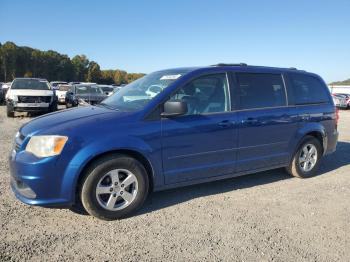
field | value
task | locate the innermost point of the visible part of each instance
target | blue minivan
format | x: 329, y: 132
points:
x: 174, y: 128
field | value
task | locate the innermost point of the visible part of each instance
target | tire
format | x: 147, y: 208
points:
x: 297, y: 168
x: 9, y: 111
x: 53, y: 107
x: 100, y: 172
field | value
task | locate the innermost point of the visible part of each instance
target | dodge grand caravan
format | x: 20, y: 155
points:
x: 204, y: 124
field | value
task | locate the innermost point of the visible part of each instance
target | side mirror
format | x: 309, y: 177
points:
x: 174, y: 108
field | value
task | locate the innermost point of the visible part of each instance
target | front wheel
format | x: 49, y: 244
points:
x: 114, y: 187
x: 53, y: 107
x: 306, y: 159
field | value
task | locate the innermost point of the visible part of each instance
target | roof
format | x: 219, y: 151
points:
x: 31, y: 78
x: 233, y: 66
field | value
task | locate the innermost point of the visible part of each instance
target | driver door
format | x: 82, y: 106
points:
x: 200, y: 144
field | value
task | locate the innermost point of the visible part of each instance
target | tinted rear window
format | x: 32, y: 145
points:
x: 261, y: 90
x: 308, y: 89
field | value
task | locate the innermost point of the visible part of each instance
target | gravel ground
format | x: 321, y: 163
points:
x: 261, y: 217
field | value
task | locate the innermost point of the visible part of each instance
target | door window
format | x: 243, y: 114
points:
x: 204, y: 95
x: 261, y: 90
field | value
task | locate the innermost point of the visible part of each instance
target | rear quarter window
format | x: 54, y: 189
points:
x: 308, y: 89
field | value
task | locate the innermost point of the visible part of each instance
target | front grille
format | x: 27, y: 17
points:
x: 34, y: 99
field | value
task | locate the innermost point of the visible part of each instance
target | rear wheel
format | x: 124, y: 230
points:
x: 114, y: 187
x: 306, y: 160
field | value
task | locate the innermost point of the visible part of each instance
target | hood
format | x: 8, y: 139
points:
x: 30, y: 92
x: 66, y: 118
x: 60, y: 92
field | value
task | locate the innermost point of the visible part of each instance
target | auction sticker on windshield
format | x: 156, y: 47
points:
x: 170, y: 77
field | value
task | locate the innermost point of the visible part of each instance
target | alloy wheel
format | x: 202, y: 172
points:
x: 308, y: 157
x: 117, y: 189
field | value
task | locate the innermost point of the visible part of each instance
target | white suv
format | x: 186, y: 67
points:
x: 30, y: 95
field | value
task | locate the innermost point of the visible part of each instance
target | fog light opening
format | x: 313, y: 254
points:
x: 23, y: 189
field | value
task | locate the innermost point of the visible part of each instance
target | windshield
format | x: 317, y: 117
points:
x: 88, y: 90
x: 107, y: 88
x: 35, y: 84
x: 139, y: 93
x: 54, y: 84
x: 63, y: 87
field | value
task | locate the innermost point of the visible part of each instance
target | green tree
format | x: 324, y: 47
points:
x: 107, y: 77
x: 80, y: 66
x: 9, y: 55
x: 19, y: 61
x: 94, y: 72
x: 134, y: 76
x: 120, y: 77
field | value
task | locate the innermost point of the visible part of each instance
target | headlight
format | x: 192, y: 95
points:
x: 11, y: 97
x: 45, y: 146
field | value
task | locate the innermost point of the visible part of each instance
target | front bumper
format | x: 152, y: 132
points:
x: 28, y: 107
x: 35, y: 181
x: 62, y: 100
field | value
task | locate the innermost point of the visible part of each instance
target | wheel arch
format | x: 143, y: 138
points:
x: 128, y: 152
x: 317, y: 132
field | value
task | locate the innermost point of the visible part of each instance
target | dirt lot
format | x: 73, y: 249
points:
x: 262, y: 217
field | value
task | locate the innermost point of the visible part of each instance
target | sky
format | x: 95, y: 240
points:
x: 149, y: 35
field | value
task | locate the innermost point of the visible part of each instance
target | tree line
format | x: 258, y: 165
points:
x: 345, y: 82
x: 22, y: 61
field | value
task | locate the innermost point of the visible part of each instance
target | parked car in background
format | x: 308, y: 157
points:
x: 344, y: 96
x: 84, y: 94
x: 61, y: 92
x: 77, y: 83
x: 107, y: 89
x: 5, y: 87
x: 30, y: 95
x: 55, y: 84
x: 205, y: 124
x: 2, y: 94
x: 117, y: 88
x: 340, y: 101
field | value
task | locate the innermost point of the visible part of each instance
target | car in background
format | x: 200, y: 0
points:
x: 84, y: 94
x: 4, y: 88
x: 346, y: 97
x: 74, y: 83
x: 55, y: 84
x: 30, y: 95
x: 61, y: 92
x: 340, y: 101
x: 2, y: 95
x: 107, y: 89
x: 77, y: 83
